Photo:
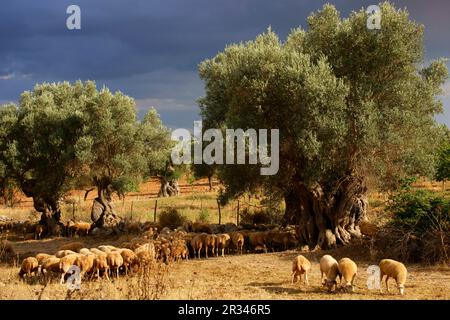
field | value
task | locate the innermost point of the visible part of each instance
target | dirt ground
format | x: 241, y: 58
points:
x: 235, y: 277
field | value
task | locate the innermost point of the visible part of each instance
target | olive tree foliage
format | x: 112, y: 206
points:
x: 63, y: 135
x: 349, y: 102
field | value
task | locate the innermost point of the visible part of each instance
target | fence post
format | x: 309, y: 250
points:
x: 237, y: 214
x: 154, y: 210
x: 132, y: 202
x: 220, y: 213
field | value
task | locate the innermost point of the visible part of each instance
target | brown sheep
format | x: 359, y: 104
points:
x: 100, y: 264
x: 210, y: 243
x: 29, y: 266
x: 42, y: 256
x: 144, y: 258
x: 348, y: 271
x: 63, y: 253
x: 38, y: 232
x: 79, y: 228
x: 74, y: 246
x: 85, y: 263
x: 129, y: 259
x: 393, y: 269
x: 197, y: 244
x: 65, y: 263
x: 258, y: 240
x: 222, y: 242
x: 51, y: 264
x: 199, y: 227
x: 115, y: 261
x: 300, y: 266
x: 237, y: 238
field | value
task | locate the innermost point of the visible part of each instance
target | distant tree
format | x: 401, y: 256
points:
x: 349, y: 102
x: 443, y: 164
x: 62, y: 136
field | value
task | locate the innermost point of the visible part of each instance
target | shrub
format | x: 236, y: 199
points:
x: 420, y: 228
x: 171, y: 218
x: 203, y: 216
x: 261, y: 216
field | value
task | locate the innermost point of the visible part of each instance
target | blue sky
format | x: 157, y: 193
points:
x: 150, y: 49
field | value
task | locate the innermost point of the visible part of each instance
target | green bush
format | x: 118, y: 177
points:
x: 203, y: 216
x: 171, y: 218
x: 420, y: 211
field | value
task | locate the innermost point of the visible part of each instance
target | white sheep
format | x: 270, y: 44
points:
x: 393, y: 269
x: 115, y: 261
x: 63, y: 253
x: 348, y: 270
x: 329, y: 268
x: 300, y: 266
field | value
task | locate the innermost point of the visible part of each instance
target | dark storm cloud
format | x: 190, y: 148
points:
x: 151, y: 49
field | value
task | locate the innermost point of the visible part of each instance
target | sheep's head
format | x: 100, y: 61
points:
x: 329, y: 284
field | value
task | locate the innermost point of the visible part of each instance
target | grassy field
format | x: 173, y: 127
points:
x: 248, y: 276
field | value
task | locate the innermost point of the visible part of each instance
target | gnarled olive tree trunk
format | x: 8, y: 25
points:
x: 103, y: 214
x: 168, y: 187
x: 327, y: 218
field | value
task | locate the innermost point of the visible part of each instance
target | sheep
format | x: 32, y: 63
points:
x: 51, y: 264
x: 98, y: 252
x: 258, y: 240
x: 280, y: 240
x: 85, y: 263
x: 80, y: 228
x: 222, y: 242
x: 144, y: 258
x: 129, y: 259
x: 210, y: 243
x: 115, y: 261
x: 73, y: 246
x: 147, y: 247
x: 199, y: 227
x: 100, y: 263
x: 63, y: 253
x: 237, y: 239
x: 29, y: 265
x: 38, y: 232
x: 65, y: 263
x: 106, y: 248
x: 393, y: 269
x: 348, y: 270
x: 85, y: 251
x: 197, y: 243
x: 326, y: 263
x: 300, y: 265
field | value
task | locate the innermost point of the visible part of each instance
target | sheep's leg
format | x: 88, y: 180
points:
x: 293, y: 277
x: 223, y: 252
x: 387, y: 284
x: 62, y: 278
x: 306, y: 279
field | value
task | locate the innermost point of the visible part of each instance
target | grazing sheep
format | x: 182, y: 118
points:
x: 65, y: 263
x: 393, y: 269
x: 100, y: 264
x: 85, y: 263
x: 63, y: 253
x: 326, y: 263
x: 197, y: 243
x: 85, y: 251
x: 257, y: 240
x: 277, y: 240
x: 29, y: 266
x: 237, y: 238
x: 115, y: 261
x: 81, y: 228
x: 210, y: 243
x: 148, y: 247
x: 73, y: 246
x: 42, y: 256
x: 222, y: 242
x: 300, y: 266
x: 51, y: 264
x: 98, y: 252
x: 199, y: 227
x: 129, y: 259
x: 348, y: 270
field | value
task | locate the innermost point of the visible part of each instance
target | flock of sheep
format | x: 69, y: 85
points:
x: 346, y: 270
x: 191, y: 240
